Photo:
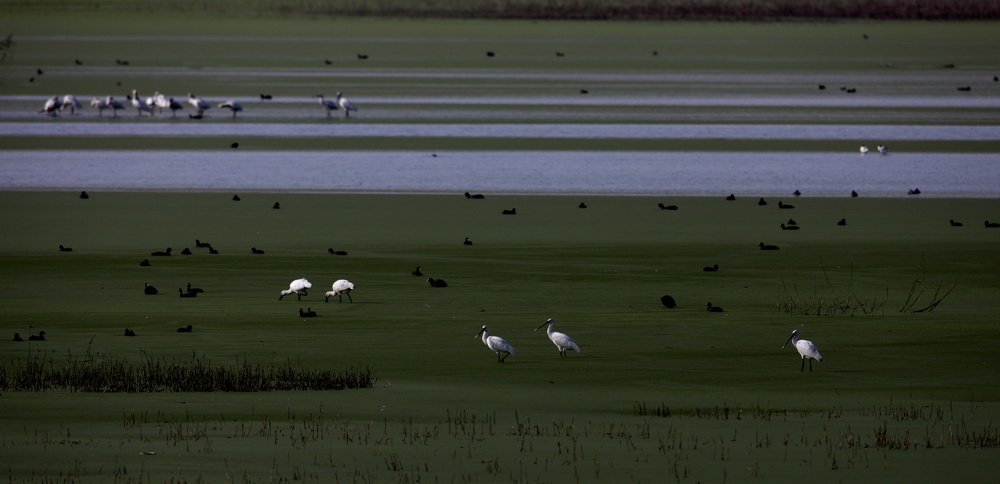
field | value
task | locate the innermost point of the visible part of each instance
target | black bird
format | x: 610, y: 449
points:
x: 276, y: 206
x: 490, y: 54
x: 762, y: 201
x: 84, y: 195
x: 767, y: 247
x: 796, y: 193
x: 954, y: 223
x: 731, y: 197
x: 668, y: 301
x: 129, y: 332
x: 913, y: 191
x: 362, y: 56
x: 255, y: 250
x: 991, y: 225
x: 150, y: 290
x: 854, y: 194
x: 789, y: 227
x: 162, y: 253
x: 307, y: 314
x: 194, y: 289
x: 791, y: 221
x: 437, y: 282
x: 236, y: 198
x: 266, y: 97
x: 416, y: 272
x: 144, y: 263
x: 186, y: 294
x: 713, y: 309
x: 512, y: 211
x: 198, y: 243
x: 17, y: 337
x: 785, y: 205
x: 666, y: 207
x: 39, y: 337
x: 467, y: 241
x: 478, y: 196
x: 336, y: 252
x: 186, y: 329
x: 65, y: 249
x: 582, y: 205
x: 842, y: 221
x: 186, y: 251
x: 713, y: 268
x: 584, y: 91
x: 234, y: 145
x: 965, y: 88
x: 822, y: 87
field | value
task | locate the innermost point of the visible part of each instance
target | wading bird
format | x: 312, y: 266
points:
x: 863, y: 150
x: 328, y: 104
x: 139, y: 104
x: 200, y: 104
x: 807, y: 350
x: 51, y: 106
x: 341, y: 287
x: 233, y: 106
x: 100, y: 104
x: 561, y: 340
x: 346, y: 105
x: 114, y: 105
x: 70, y: 102
x: 297, y: 287
x: 496, y: 344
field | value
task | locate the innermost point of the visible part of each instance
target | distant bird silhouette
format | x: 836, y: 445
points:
x: 954, y: 223
x: 512, y: 211
x: 789, y: 227
x: 39, y: 337
x: 162, y: 253
x: 194, y: 289
x: 336, y: 252
x: 186, y: 329
x: 84, y: 195
x: 254, y: 250
x: 65, y: 249
x: 842, y: 221
x: 266, y: 97
x: 791, y: 221
x: 416, y: 272
x: 731, y: 197
x: 668, y: 301
x: 17, y: 337
x: 796, y: 193
x: 762, y: 201
x: 713, y: 268
x: 150, y: 290
x: 467, y: 241
x: 582, y: 205
x: 713, y: 309
x: 854, y: 194
x: 129, y: 332
x: 186, y: 294
x: 362, y: 56
x: 490, y: 53
x: 436, y: 282
x: 767, y: 247
x: 307, y: 314
x: 913, y: 191
x: 234, y: 145
x: 236, y: 198
x: 198, y: 243
x: 186, y: 251
x: 991, y: 225
x: 965, y: 88
x: 144, y: 263
x: 666, y: 207
x: 785, y: 205
x: 478, y: 196
x: 276, y: 206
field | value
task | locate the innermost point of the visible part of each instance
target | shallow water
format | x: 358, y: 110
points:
x: 535, y: 172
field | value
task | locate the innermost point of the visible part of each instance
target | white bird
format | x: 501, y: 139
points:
x: 297, y: 287
x: 807, y: 350
x: 198, y: 103
x: 114, y: 105
x: 863, y: 149
x: 159, y: 101
x: 496, y: 344
x: 561, y: 340
x: 341, y: 287
x: 51, y: 106
x: 232, y: 105
x: 328, y: 104
x: 100, y: 104
x: 346, y: 105
x: 70, y: 102
x: 883, y: 149
x: 139, y: 104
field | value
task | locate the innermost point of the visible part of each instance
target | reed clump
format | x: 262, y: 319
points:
x: 38, y: 373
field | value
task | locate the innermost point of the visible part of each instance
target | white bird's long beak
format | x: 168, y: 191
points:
x: 542, y: 326
x: 788, y: 341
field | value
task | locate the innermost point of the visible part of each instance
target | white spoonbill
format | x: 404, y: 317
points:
x: 233, y: 106
x: 883, y: 149
x: 51, y: 106
x: 496, y: 344
x: 297, y: 287
x: 346, y: 105
x: 139, y: 103
x: 70, y: 102
x: 328, y: 104
x: 114, y: 105
x: 200, y: 104
x: 341, y: 287
x: 561, y: 340
x: 863, y: 150
x: 100, y: 104
x: 805, y: 348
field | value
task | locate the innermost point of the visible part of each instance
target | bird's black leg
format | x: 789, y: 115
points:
x: 803, y: 365
x: 810, y: 366
x: 506, y: 354
x: 349, y: 298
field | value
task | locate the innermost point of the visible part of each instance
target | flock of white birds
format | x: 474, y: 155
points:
x: 158, y: 103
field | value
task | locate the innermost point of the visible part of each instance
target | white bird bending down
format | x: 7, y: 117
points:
x: 863, y: 149
x: 496, y: 344
x: 561, y: 340
x: 140, y: 104
x: 232, y: 105
x: 51, y: 106
x: 328, y: 104
x: 346, y: 105
x: 297, y: 287
x: 341, y: 287
x: 70, y: 102
x: 883, y: 149
x: 198, y: 103
x: 807, y: 350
